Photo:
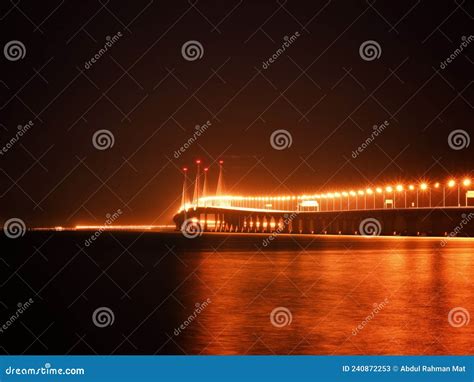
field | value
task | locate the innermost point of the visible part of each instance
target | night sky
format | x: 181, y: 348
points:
x: 150, y: 97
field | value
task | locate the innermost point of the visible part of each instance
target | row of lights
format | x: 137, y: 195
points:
x: 369, y: 191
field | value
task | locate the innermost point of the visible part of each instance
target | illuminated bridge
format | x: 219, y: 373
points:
x: 441, y: 208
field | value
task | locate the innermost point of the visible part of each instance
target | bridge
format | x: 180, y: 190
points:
x: 422, y: 208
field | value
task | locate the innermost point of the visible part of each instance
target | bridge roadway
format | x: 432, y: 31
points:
x: 433, y: 221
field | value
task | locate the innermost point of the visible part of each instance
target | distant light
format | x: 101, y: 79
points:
x: 379, y: 190
x: 369, y: 191
x: 352, y: 193
x: 206, y: 169
x: 389, y: 189
x: 360, y: 192
x: 451, y: 183
x: 411, y: 187
x: 466, y: 182
x: 185, y: 169
x: 221, y: 162
x: 436, y: 185
x: 399, y: 188
x: 344, y: 193
x: 337, y: 195
x: 198, y: 161
x: 423, y: 186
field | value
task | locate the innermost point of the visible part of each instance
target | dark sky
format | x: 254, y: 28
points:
x: 151, y: 98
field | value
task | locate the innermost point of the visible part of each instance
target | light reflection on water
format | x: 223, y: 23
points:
x: 330, y: 288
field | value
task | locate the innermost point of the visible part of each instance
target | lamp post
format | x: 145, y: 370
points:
x: 466, y: 183
x: 379, y: 191
x: 424, y: 187
x: 451, y: 184
x: 400, y: 189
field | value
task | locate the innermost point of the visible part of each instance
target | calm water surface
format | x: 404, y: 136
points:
x: 343, y: 295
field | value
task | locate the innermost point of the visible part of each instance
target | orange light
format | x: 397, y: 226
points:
x: 423, y: 186
x: 411, y: 187
x: 436, y: 185
x: 399, y: 188
x: 206, y: 169
x: 360, y: 192
x: 221, y: 162
x: 379, y: 190
x: 198, y: 161
x: 466, y: 182
x: 352, y: 193
x: 451, y: 183
x: 369, y: 191
x: 389, y: 189
x: 185, y: 169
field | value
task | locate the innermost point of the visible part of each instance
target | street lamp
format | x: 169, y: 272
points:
x: 466, y: 183
x: 370, y: 192
x: 388, y: 189
x: 423, y: 187
x: 400, y: 189
x: 451, y: 184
